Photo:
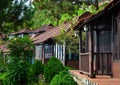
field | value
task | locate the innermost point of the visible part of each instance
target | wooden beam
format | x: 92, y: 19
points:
x: 91, y: 57
x: 80, y: 48
x: 43, y: 53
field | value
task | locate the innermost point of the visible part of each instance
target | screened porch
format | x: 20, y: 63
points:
x: 95, y: 49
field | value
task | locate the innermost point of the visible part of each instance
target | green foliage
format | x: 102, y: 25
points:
x: 3, y: 78
x: 68, y: 68
x: 2, y: 63
x: 37, y: 68
x: 36, y: 72
x: 85, y: 8
x: 71, y: 41
x: 65, y: 17
x: 13, y: 14
x: 53, y: 67
x: 18, y: 72
x: 63, y: 78
x: 21, y: 47
x: 52, y: 11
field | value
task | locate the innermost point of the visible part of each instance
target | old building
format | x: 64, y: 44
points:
x: 99, y: 53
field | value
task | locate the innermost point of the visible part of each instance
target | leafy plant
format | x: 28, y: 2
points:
x: 21, y: 47
x: 18, y: 72
x: 18, y: 67
x: 53, y: 67
x: 2, y: 63
x: 63, y: 78
x: 37, y: 68
x: 36, y: 71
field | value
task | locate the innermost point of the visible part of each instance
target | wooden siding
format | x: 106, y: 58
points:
x: 44, y: 52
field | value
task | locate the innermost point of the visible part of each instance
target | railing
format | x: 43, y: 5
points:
x: 48, y: 51
x: 48, y: 55
x: 84, y: 63
x: 103, y: 63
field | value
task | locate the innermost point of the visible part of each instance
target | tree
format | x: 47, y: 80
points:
x: 51, y: 11
x: 21, y: 51
x: 13, y: 13
x: 21, y: 48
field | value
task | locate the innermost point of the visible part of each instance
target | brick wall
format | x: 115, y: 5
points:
x: 116, y: 69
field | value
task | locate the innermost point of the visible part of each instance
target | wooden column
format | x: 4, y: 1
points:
x: 97, y: 50
x: 43, y: 54
x: 112, y: 42
x: 64, y: 54
x: 80, y: 48
x: 56, y: 51
x: 91, y: 59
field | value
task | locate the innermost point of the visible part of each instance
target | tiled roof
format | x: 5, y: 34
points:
x: 50, y: 33
x: 43, y: 28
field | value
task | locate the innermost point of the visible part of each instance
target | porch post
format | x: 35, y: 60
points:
x: 56, y: 51
x: 112, y: 43
x: 43, y: 56
x: 91, y: 60
x: 64, y: 54
x: 80, y: 48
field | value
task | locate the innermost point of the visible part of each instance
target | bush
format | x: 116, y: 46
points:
x: 21, y: 47
x: 63, y: 78
x: 37, y: 68
x: 3, y: 65
x: 68, y: 68
x: 53, y: 67
x: 18, y: 72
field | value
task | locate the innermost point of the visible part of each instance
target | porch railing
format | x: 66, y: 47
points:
x: 103, y: 63
x: 84, y: 63
x: 48, y: 55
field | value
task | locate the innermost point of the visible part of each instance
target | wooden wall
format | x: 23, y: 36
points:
x: 116, y: 53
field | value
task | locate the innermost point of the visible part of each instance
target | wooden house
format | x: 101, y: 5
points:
x: 45, y: 45
x: 4, y: 51
x: 99, y: 53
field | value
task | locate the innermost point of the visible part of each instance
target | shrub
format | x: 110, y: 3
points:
x: 53, y: 67
x: 21, y: 47
x: 63, y: 78
x: 18, y: 72
x: 37, y: 68
x: 68, y: 68
x: 2, y: 64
